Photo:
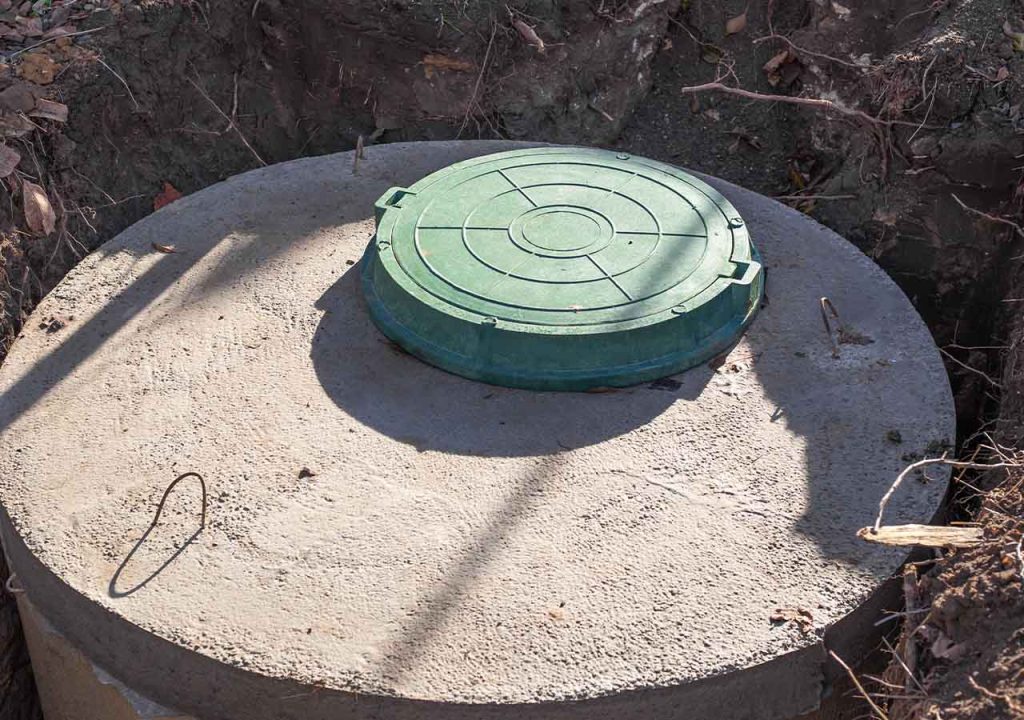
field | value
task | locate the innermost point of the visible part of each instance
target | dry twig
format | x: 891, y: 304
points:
x: 827, y: 309
x: 796, y: 48
x: 993, y: 218
x: 16, y: 53
x: 232, y: 123
x: 932, y: 461
x: 123, y: 81
x: 807, y: 102
x: 974, y: 370
x: 860, y: 688
x: 814, y: 197
x: 479, y: 79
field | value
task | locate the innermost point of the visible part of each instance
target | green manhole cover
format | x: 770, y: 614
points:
x: 561, y: 269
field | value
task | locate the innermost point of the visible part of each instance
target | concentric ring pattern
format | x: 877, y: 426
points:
x: 558, y: 242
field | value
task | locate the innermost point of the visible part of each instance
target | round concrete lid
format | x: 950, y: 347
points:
x: 561, y: 269
x: 384, y: 539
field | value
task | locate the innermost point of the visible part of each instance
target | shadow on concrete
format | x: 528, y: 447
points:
x: 116, y: 592
x: 436, y: 608
x: 380, y: 385
x: 392, y: 392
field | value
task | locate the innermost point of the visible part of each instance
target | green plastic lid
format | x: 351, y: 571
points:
x: 561, y: 269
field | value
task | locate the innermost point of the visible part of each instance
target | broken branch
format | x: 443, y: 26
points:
x: 924, y: 463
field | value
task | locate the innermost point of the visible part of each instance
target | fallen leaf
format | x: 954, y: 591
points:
x: 50, y: 110
x: 9, y: 159
x: 58, y: 16
x: 1017, y: 37
x: 529, y: 34
x: 1002, y: 73
x: 737, y: 24
x: 801, y: 616
x: 945, y: 649
x: 15, y: 125
x: 39, y: 213
x: 165, y: 249
x: 166, y: 196
x: 797, y: 178
x: 19, y: 97
x: 38, y: 68
x: 841, y: 10
x: 772, y: 65
x: 751, y: 140
x: 31, y: 26
x: 59, y: 31
x: 6, y: 31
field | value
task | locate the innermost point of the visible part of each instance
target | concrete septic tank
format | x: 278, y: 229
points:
x: 384, y: 539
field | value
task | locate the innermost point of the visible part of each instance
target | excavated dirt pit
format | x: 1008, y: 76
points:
x: 167, y: 98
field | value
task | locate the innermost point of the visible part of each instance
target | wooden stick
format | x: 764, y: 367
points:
x: 934, y: 536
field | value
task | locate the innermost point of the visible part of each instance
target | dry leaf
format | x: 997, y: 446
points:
x: 166, y: 196
x: 19, y: 97
x: 39, y: 213
x: 529, y: 34
x: 166, y: 249
x: 946, y: 649
x: 1018, y: 38
x: 841, y: 10
x: 801, y: 616
x: 10, y: 33
x: 772, y: 65
x: 31, y: 26
x: 711, y: 54
x: 39, y: 68
x: 15, y: 125
x: 58, y: 31
x: 1002, y: 73
x: 9, y: 159
x: 50, y: 110
x: 797, y: 178
x: 737, y: 24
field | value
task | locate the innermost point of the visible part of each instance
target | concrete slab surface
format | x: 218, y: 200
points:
x: 388, y: 540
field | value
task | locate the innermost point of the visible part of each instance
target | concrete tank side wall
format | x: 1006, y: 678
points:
x: 71, y: 687
x: 153, y: 667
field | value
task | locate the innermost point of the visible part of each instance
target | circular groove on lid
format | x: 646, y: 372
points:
x: 562, y: 269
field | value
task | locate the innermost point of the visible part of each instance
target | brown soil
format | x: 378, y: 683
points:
x: 171, y: 96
